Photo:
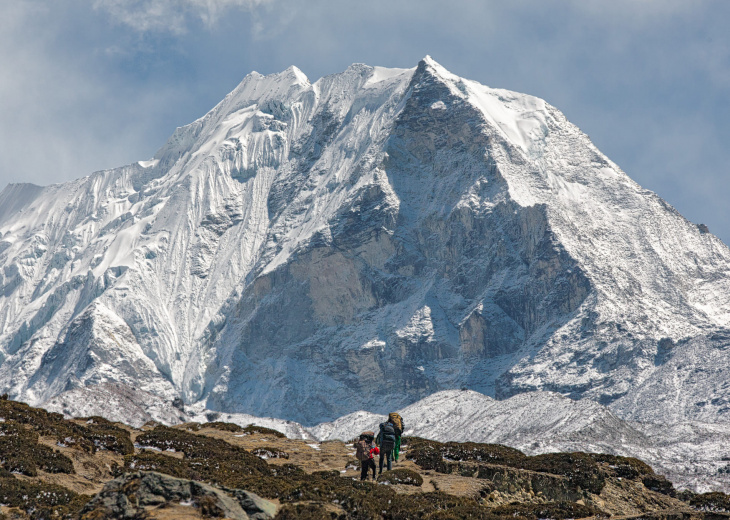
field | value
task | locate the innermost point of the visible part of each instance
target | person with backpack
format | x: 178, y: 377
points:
x: 397, y: 420
x: 386, y: 441
x: 365, y: 453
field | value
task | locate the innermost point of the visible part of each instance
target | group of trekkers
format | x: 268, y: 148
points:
x: 387, y: 445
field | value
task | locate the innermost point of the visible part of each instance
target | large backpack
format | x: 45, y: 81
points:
x: 387, y: 436
x: 363, y: 450
x: 396, y: 419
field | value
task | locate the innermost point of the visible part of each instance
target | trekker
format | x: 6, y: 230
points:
x: 386, y: 440
x: 366, y: 454
x: 373, y: 451
x: 397, y: 420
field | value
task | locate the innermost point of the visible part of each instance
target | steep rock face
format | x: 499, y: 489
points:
x: 309, y: 249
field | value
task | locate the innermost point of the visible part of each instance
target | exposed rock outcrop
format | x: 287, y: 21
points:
x: 130, y: 495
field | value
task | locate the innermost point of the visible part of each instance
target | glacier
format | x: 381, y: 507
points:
x: 306, y: 250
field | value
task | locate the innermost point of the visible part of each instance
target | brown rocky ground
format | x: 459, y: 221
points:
x: 305, y: 479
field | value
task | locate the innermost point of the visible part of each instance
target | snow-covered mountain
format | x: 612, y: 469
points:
x: 306, y: 250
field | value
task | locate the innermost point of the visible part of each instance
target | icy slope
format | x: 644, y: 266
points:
x: 305, y: 250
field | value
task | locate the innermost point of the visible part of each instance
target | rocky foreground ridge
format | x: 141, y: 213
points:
x: 309, y: 249
x: 91, y: 469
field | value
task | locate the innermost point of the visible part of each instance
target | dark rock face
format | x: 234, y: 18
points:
x: 131, y: 494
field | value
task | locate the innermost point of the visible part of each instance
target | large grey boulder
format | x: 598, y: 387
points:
x: 130, y: 494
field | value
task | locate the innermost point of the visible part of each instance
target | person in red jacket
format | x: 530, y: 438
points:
x: 373, y: 451
x: 365, y: 453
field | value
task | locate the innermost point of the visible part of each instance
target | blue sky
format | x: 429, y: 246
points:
x: 95, y: 84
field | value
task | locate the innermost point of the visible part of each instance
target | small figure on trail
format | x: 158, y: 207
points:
x: 397, y: 420
x: 366, y: 454
x: 386, y: 441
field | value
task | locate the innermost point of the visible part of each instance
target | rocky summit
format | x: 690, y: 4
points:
x: 306, y: 250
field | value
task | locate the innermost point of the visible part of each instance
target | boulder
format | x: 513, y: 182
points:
x: 133, y: 493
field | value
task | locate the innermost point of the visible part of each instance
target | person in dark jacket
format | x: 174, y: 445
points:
x: 386, y: 441
x: 397, y: 420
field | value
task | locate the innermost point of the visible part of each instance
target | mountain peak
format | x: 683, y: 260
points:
x: 435, y: 68
x: 291, y: 72
x: 258, y: 85
x: 295, y: 72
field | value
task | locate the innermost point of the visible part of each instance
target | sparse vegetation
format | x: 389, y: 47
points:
x: 401, y: 476
x: 551, y: 510
x: 269, y: 453
x: 204, y: 451
x: 659, y: 484
x: 252, y: 428
x: 20, y: 452
x: 223, y: 426
x: 580, y: 469
x: 434, y: 455
x: 713, y: 502
x: 234, y: 428
x: 585, y: 471
x: 305, y: 512
x: 96, y: 434
x: 192, y: 426
x: 624, y: 467
x: 41, y: 500
x: 106, y: 435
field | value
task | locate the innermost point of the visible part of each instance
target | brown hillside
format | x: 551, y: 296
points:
x: 52, y: 467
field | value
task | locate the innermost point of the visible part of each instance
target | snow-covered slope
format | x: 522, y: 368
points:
x: 305, y: 250
x: 121, y: 403
x: 535, y: 422
x: 116, y: 402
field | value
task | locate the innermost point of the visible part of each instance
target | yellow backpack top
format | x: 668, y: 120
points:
x: 396, y: 419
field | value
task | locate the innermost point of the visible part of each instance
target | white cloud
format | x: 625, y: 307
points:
x: 59, y: 118
x: 170, y: 15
